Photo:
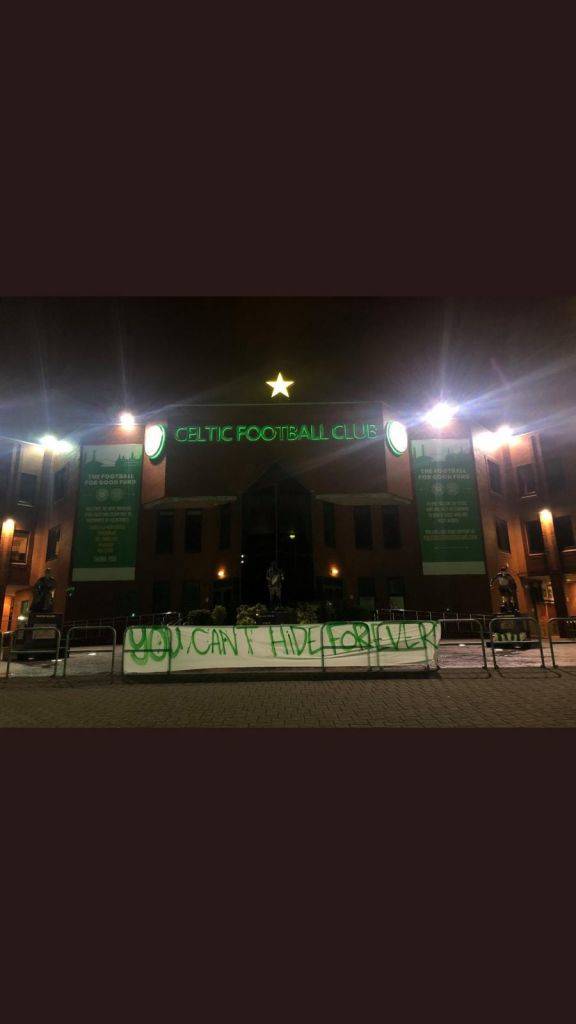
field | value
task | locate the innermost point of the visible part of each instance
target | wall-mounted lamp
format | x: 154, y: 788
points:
x: 334, y: 570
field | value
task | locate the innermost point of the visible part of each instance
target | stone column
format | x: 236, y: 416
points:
x: 553, y: 562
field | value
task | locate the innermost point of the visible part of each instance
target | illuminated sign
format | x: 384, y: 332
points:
x: 396, y: 437
x: 279, y: 386
x: 227, y: 433
x: 154, y: 441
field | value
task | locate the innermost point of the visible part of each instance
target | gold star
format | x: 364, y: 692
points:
x: 279, y: 386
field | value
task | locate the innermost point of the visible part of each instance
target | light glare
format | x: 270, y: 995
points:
x: 441, y: 415
x: 49, y: 442
x: 63, y: 447
x: 486, y: 441
x: 127, y: 420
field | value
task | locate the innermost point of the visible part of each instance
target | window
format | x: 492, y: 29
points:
x: 161, y: 596
x: 502, y: 536
x: 396, y: 593
x: 24, y: 607
x: 526, y: 480
x: 61, y: 483
x: 534, y: 537
x: 190, y: 595
x: 564, y: 532
x: 193, y: 530
x: 20, y: 541
x: 363, y: 526
x: 225, y: 519
x: 223, y: 592
x: 27, y: 488
x: 555, y: 473
x: 164, y: 533
x: 366, y: 592
x: 53, y: 543
x: 329, y: 517
x: 391, y: 526
x: 494, y: 476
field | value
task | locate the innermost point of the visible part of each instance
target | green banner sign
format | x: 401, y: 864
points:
x: 448, y: 516
x: 107, y: 517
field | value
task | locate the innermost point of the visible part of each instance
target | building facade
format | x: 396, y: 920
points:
x: 190, y: 512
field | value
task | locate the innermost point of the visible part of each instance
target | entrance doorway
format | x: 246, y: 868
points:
x: 277, y: 527
x: 7, y: 610
x: 541, y: 599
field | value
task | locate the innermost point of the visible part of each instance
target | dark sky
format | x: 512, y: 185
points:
x: 68, y: 364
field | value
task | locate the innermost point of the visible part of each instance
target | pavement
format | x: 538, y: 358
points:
x: 518, y: 694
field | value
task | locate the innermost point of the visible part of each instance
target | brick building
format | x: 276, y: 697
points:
x: 223, y: 490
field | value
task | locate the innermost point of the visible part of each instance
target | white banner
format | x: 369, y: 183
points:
x: 164, y: 649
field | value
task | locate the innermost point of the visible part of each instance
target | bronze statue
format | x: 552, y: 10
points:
x: 43, y: 593
x: 274, y: 578
x: 507, y: 589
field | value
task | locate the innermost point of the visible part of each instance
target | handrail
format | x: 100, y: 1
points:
x: 99, y: 629
x: 515, y: 618
x: 119, y: 622
x: 559, y: 618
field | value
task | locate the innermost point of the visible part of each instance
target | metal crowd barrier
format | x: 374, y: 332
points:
x: 342, y: 622
x: 415, y: 622
x: 99, y: 629
x: 570, y: 620
x: 514, y: 632
x: 34, y: 650
x: 164, y: 652
x: 370, y: 648
x: 166, y: 647
x: 456, y: 643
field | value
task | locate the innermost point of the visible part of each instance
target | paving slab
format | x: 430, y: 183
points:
x: 516, y: 697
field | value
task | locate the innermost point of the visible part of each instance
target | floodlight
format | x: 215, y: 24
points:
x: 127, y: 420
x: 440, y: 415
x: 49, y: 442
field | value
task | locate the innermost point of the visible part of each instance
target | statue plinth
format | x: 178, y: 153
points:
x: 38, y: 638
